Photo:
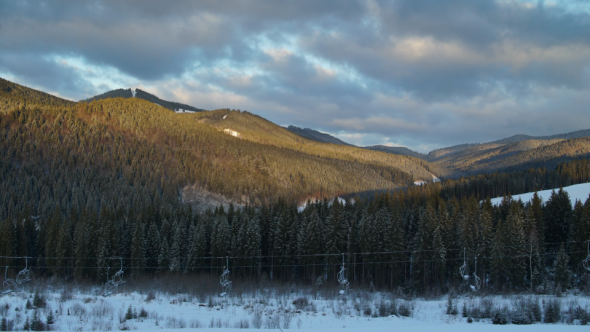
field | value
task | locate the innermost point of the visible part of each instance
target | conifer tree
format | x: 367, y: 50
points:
x: 152, y: 246
x: 177, y: 256
x: 580, y: 235
x: 164, y: 255
x: 312, y: 241
x: 335, y: 230
x: 562, y: 272
x: 558, y: 215
x: 515, y: 245
x: 138, y: 247
x: 538, y: 220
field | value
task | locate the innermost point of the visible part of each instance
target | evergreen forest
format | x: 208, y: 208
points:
x: 84, y: 186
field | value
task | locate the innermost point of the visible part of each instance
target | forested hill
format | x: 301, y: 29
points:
x: 316, y: 135
x: 126, y: 152
x: 254, y: 128
x: 519, y: 138
x: 13, y: 95
x: 128, y: 93
x: 397, y: 150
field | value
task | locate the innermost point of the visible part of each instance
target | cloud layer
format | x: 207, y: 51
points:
x: 422, y: 74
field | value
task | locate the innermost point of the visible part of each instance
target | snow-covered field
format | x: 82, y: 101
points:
x: 308, y: 309
x: 578, y: 192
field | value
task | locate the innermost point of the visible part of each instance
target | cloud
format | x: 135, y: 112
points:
x: 423, y: 74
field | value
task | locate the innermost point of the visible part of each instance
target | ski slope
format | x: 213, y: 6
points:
x: 577, y: 192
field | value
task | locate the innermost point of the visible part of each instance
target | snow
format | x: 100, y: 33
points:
x: 85, y: 311
x: 225, y: 116
x: 421, y: 182
x: 232, y: 133
x: 180, y: 110
x: 577, y: 192
x: 341, y: 200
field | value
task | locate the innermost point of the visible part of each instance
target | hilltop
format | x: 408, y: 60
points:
x: 137, y: 93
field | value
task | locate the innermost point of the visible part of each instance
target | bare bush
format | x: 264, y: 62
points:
x: 286, y: 320
x: 151, y: 295
x: 242, y: 324
x: 257, y: 319
x: 77, y: 309
x: 175, y: 323
x: 273, y: 322
x: 101, y: 324
x: 195, y: 324
x: 102, y: 309
x: 300, y: 303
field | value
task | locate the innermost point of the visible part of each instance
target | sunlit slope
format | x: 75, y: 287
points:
x: 256, y: 129
x: 13, y: 95
x: 547, y: 154
x: 477, y: 156
x: 131, y: 143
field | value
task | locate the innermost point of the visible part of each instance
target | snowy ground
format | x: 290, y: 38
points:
x: 578, y: 192
x: 307, y: 310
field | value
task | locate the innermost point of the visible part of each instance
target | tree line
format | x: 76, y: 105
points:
x: 414, y: 241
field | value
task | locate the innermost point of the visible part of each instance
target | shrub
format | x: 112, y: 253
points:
x: 50, y: 318
x: 521, y: 318
x: 405, y: 309
x: 452, y: 306
x: 150, y: 296
x: 36, y: 323
x: 384, y: 309
x: 129, y: 313
x: 300, y: 303
x: 39, y: 301
x: 257, y: 320
x: 499, y: 316
x: 488, y: 308
x: 552, y: 312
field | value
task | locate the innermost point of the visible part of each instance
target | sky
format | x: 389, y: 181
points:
x: 424, y: 74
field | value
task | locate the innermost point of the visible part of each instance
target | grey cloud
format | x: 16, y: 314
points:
x: 421, y: 73
x: 46, y: 74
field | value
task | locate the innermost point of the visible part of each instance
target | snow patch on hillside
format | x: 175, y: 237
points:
x: 341, y: 200
x: 577, y: 192
x: 180, y: 110
x: 232, y: 133
x: 421, y: 182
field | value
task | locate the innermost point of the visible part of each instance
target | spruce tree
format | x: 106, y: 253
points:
x: 562, y: 272
x: 152, y: 246
x: 515, y: 245
x: 138, y: 247
x: 558, y: 218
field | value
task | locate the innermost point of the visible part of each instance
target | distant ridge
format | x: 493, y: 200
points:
x: 400, y: 150
x: 127, y: 93
x: 520, y: 138
x: 316, y: 135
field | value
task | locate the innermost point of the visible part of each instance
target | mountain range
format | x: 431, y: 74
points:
x: 106, y: 147
x: 221, y: 156
x: 514, y: 153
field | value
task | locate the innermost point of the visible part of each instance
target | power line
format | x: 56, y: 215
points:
x: 266, y: 265
x: 289, y: 256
